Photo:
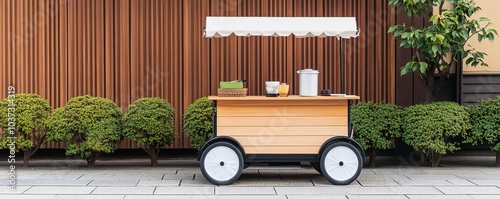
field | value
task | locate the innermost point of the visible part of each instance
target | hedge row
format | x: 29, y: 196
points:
x: 92, y: 125
x: 428, y: 128
x: 88, y: 125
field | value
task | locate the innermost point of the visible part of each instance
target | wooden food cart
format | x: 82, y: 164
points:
x: 282, y: 129
x: 256, y: 129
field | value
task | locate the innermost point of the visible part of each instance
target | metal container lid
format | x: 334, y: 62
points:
x: 307, y: 71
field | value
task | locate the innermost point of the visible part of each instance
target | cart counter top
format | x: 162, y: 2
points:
x: 291, y: 97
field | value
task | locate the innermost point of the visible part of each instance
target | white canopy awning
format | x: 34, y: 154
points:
x: 341, y: 27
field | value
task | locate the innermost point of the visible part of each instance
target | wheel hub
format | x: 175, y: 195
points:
x: 341, y: 163
x: 221, y: 163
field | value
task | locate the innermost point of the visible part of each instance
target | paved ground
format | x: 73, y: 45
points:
x: 133, y: 179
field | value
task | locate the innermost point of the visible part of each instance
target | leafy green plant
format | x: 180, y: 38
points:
x: 376, y: 126
x: 28, y: 116
x: 150, y: 122
x: 439, y: 45
x: 90, y: 126
x: 198, y: 122
x: 485, y: 120
x: 428, y: 127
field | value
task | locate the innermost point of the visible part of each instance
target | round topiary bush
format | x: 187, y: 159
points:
x: 428, y: 127
x: 376, y: 126
x: 485, y: 120
x: 198, y: 122
x: 90, y: 126
x: 150, y: 122
x: 27, y: 114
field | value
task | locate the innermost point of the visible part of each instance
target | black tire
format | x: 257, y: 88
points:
x: 225, y: 161
x: 349, y: 162
x: 316, y: 166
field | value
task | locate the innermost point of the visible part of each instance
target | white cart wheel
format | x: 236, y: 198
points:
x: 341, y: 163
x: 221, y: 163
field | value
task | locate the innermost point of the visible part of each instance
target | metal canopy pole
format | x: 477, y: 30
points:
x: 342, y: 88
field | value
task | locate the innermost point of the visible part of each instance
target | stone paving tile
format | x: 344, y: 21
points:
x: 205, y: 197
x: 196, y: 171
x: 137, y: 176
x: 487, y: 182
x: 322, y: 182
x: 87, y: 197
x: 433, y: 177
x: 17, y: 190
x: 366, y: 171
x: 158, y: 183
x: 429, y: 182
x: 484, y: 196
x: 461, y: 182
x: 178, y: 177
x: 398, y: 171
x: 113, y: 183
x: 274, y: 183
x: 415, y: 190
x: 469, y: 190
x: 378, y: 183
x: 96, y: 176
x: 479, y: 177
x: 60, y: 177
x: 439, y: 197
x: 27, y: 176
x: 377, y: 197
x: 48, y: 171
x: 448, y: 171
x: 123, y: 190
x: 29, y: 196
x: 383, y: 177
x: 358, y: 190
x: 245, y: 190
x: 316, y: 197
x: 185, y: 190
x: 55, y: 182
x: 60, y: 190
x: 196, y: 183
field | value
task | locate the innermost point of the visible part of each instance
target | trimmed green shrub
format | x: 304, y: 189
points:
x: 90, y: 126
x: 28, y: 116
x: 428, y: 127
x: 198, y: 122
x: 376, y: 126
x: 150, y: 122
x: 485, y: 120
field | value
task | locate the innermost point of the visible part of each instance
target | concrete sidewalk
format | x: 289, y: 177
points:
x: 182, y: 179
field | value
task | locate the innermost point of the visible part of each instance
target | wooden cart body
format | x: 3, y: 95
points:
x: 271, y: 129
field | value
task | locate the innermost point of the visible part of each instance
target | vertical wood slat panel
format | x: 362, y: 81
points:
x: 127, y: 49
x: 3, y: 67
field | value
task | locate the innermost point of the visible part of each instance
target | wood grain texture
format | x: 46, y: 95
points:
x: 277, y: 111
x: 279, y: 121
x: 272, y: 124
x: 280, y: 130
x: 127, y: 49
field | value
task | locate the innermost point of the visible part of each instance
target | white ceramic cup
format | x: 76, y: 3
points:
x: 272, y: 87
